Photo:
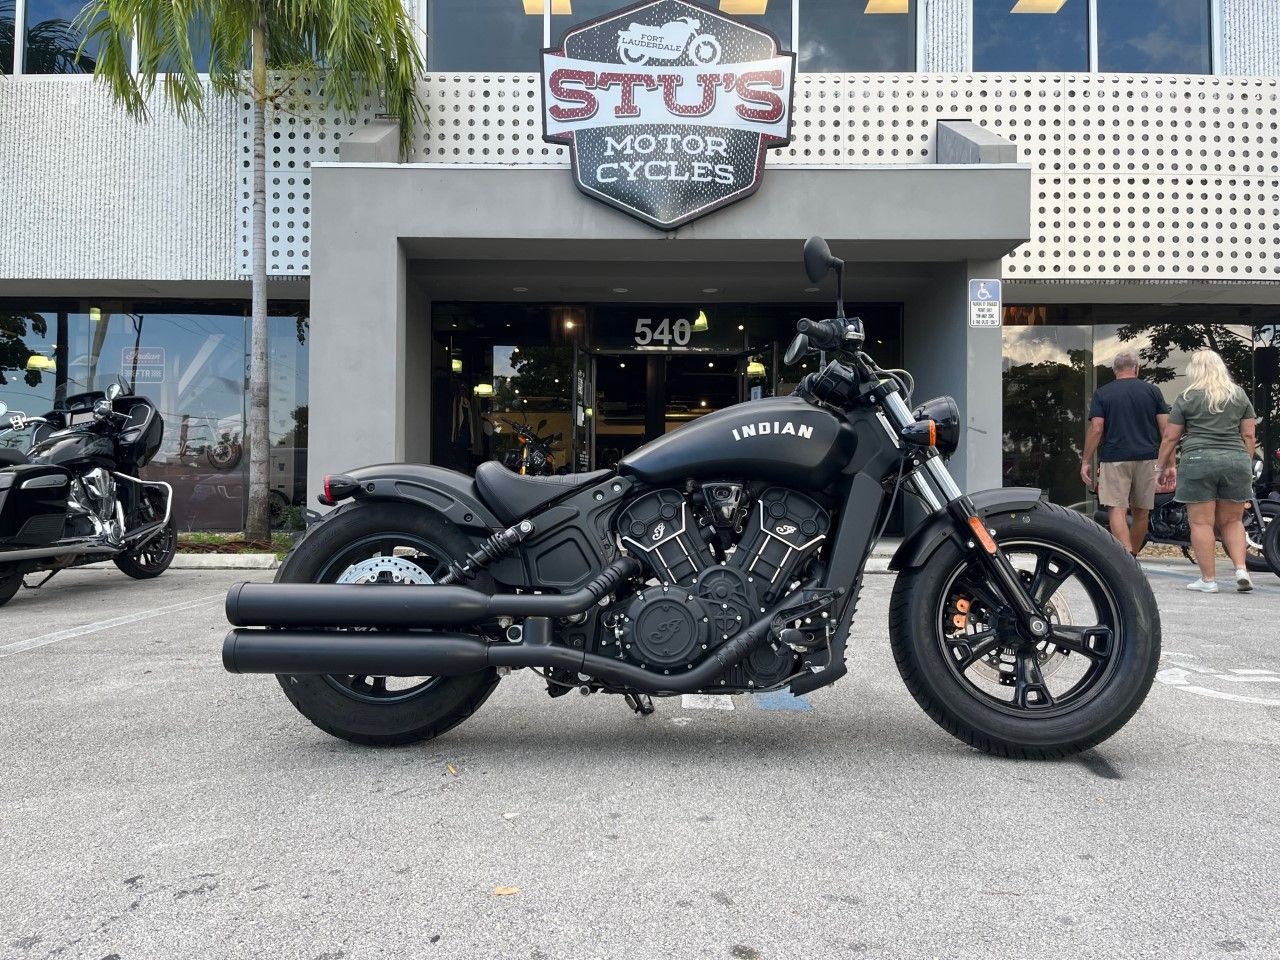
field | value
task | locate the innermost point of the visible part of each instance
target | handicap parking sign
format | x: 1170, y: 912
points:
x: 984, y: 303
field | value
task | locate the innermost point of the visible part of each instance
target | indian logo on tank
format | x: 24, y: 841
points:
x: 667, y: 108
x: 782, y: 428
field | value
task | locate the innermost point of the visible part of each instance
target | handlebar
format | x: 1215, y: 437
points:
x: 822, y: 334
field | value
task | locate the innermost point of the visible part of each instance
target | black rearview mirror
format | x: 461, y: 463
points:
x: 818, y: 260
x: 541, y: 423
x: 798, y: 348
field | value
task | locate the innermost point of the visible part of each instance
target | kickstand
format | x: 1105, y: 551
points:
x: 641, y: 703
x: 52, y: 574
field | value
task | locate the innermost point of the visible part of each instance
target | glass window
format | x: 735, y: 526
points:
x: 839, y: 36
x: 772, y: 15
x: 7, y: 27
x: 190, y: 358
x: 484, y: 35
x: 1031, y: 35
x: 1154, y: 36
x: 52, y: 42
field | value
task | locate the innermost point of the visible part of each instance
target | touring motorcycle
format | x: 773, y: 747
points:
x: 725, y: 557
x: 74, y: 497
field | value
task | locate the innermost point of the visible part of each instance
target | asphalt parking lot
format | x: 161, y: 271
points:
x: 154, y: 806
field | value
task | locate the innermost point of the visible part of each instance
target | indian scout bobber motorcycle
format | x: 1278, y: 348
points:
x: 74, y: 497
x: 725, y: 557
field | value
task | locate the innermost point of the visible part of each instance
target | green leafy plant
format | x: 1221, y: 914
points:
x: 342, y: 53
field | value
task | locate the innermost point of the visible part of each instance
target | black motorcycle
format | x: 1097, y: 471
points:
x: 725, y: 557
x: 532, y: 454
x: 1170, y: 525
x: 73, y: 497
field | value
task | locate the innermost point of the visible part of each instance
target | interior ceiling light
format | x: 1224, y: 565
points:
x: 1038, y: 6
x: 520, y: 289
x: 700, y: 325
x: 745, y: 7
x: 710, y: 289
x: 755, y: 369
x: 534, y: 7
x: 38, y: 361
x: 455, y: 365
x: 620, y: 290
x: 888, y: 6
x: 483, y: 389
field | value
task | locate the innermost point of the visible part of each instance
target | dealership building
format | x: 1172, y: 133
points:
x: 1020, y: 189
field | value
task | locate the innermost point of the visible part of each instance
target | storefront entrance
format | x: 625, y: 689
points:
x: 596, y: 381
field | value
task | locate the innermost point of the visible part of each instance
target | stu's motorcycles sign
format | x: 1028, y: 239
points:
x: 667, y: 108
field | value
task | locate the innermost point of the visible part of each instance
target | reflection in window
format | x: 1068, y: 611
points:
x: 7, y: 38
x: 1031, y: 35
x: 189, y: 358
x: 839, y: 36
x: 1154, y: 36
x: 481, y: 35
x: 52, y: 42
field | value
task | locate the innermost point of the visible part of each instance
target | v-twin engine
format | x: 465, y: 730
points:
x: 702, y: 600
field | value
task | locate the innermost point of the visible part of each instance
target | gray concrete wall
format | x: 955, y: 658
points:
x: 948, y: 26
x: 1251, y: 37
x: 947, y: 356
x: 90, y: 194
x: 370, y: 361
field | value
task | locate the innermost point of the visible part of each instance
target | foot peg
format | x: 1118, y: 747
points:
x: 641, y: 703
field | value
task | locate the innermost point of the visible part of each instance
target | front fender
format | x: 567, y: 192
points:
x: 451, y: 494
x: 926, y: 538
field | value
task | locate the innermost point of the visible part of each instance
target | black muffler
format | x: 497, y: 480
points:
x: 300, y: 605
x: 408, y: 654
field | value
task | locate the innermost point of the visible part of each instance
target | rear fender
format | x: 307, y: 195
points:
x: 451, y: 494
x: 916, y: 549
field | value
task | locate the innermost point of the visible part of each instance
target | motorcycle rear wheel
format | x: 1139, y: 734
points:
x: 961, y: 658
x: 415, y: 546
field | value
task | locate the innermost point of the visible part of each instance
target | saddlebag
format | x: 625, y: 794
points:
x: 33, y: 505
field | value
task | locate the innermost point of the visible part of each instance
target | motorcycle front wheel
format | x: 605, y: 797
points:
x: 152, y: 558
x: 958, y: 648
x: 397, y: 546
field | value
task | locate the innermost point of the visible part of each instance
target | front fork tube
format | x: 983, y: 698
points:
x: 938, y: 489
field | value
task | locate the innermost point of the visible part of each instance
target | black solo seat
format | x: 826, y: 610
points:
x: 512, y: 497
x: 12, y: 457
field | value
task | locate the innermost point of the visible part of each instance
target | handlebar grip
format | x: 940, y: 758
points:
x: 823, y: 334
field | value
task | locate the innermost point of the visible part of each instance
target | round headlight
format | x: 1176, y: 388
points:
x: 945, y: 414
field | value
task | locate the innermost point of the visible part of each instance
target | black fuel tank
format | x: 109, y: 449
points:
x: 76, y: 450
x: 782, y: 439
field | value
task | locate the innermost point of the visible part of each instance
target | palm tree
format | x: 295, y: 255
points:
x: 347, y: 51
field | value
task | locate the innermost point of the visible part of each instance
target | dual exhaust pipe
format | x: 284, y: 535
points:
x: 298, y: 643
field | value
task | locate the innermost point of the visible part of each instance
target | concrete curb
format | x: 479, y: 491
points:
x: 225, y: 561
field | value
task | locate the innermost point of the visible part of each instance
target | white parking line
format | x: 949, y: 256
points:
x: 20, y: 646
x: 703, y: 701
x: 1180, y: 678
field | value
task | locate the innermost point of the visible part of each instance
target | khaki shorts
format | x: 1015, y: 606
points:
x: 1127, y: 483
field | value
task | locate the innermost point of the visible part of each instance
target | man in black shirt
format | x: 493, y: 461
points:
x: 1126, y: 418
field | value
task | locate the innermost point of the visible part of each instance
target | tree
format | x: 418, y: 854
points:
x: 347, y: 51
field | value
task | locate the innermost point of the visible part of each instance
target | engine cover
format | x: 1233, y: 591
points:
x: 730, y: 600
x: 665, y: 627
x: 785, y: 529
x: 659, y: 526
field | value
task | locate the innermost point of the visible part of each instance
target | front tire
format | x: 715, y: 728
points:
x: 964, y: 663
x: 383, y: 711
x: 152, y: 558
x: 10, y: 584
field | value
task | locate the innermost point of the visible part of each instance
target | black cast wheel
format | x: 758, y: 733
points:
x: 397, y: 546
x: 1255, y: 536
x: 967, y: 663
x: 153, y: 557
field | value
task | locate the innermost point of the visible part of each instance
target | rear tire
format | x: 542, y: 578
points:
x: 1042, y: 727
x: 345, y: 707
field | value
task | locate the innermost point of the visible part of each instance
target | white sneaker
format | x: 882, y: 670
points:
x: 1243, y: 583
x: 1204, y: 586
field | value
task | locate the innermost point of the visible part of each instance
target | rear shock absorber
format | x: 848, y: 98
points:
x: 494, y: 548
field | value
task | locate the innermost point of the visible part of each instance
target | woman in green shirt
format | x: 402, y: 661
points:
x: 1215, y: 423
